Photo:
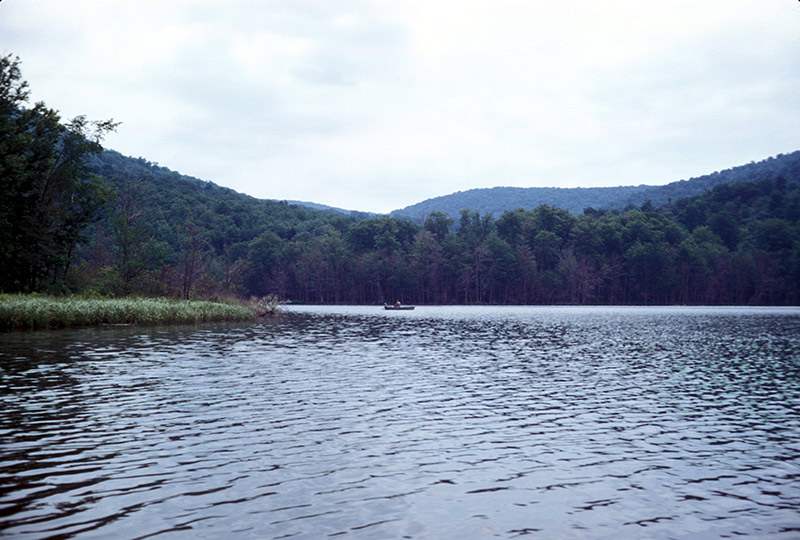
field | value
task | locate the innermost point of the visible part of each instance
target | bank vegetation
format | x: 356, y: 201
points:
x: 35, y: 311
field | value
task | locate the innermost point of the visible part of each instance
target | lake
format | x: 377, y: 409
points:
x: 437, y: 423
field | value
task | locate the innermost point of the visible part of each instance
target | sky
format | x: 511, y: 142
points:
x: 375, y: 105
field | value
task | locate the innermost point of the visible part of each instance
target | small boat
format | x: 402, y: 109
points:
x: 397, y: 307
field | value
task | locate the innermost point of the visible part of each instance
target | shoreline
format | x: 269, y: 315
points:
x: 31, y: 312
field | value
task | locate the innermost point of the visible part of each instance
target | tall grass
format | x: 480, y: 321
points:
x: 29, y: 311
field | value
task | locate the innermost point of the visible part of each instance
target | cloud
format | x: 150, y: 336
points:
x: 374, y: 105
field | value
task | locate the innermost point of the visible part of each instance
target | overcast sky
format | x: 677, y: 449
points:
x: 377, y: 104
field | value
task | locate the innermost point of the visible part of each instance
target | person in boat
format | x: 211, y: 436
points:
x: 397, y: 304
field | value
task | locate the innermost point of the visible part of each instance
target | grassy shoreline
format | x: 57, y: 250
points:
x: 33, y: 311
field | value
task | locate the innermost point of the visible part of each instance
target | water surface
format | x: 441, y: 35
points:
x: 440, y: 423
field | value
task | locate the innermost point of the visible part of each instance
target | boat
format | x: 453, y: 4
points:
x: 398, y: 307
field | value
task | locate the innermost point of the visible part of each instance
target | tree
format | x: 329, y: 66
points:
x: 48, y: 195
x: 472, y: 232
x: 137, y: 250
x: 438, y: 224
x: 427, y: 255
x: 546, y: 247
x: 196, y: 253
x: 500, y: 268
x: 263, y: 257
x: 725, y: 226
x: 649, y: 267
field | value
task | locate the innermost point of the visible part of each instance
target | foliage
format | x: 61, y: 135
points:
x: 576, y: 200
x: 47, y: 195
x: 151, y: 231
x: 736, y: 243
x: 30, y: 311
x: 496, y: 200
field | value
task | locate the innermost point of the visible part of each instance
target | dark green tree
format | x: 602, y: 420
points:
x: 137, y: 250
x: 438, y: 224
x: 47, y: 193
x: 724, y: 224
x: 473, y: 230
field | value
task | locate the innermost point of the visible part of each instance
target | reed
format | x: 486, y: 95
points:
x: 32, y: 311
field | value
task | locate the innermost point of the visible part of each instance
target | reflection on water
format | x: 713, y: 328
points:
x: 441, y: 423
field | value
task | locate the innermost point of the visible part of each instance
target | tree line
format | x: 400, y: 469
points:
x: 735, y: 244
x: 75, y: 218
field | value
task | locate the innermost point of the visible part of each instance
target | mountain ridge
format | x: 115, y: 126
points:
x: 575, y: 200
x: 498, y: 199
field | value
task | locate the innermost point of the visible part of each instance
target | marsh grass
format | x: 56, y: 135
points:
x: 31, y: 311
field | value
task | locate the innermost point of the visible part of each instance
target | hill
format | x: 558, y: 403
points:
x: 163, y: 233
x: 733, y: 242
x: 167, y: 201
x: 498, y: 199
x: 74, y: 218
x: 785, y: 166
x: 326, y: 208
x: 159, y: 218
x: 112, y: 164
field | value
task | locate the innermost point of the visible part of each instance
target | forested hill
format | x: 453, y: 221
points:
x: 74, y: 218
x: 112, y: 164
x: 786, y: 166
x: 167, y: 204
x: 163, y: 232
x: 498, y: 199
x: 167, y: 234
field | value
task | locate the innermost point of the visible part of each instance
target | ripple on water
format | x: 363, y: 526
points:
x: 439, y: 423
